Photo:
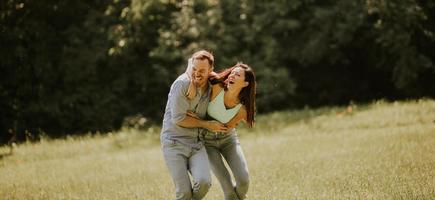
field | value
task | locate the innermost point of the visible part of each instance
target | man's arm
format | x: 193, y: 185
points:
x: 180, y: 106
x: 192, y: 122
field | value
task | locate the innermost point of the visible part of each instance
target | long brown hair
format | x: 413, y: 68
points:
x: 247, y: 94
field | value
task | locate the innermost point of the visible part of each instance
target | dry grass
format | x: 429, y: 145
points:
x: 379, y: 151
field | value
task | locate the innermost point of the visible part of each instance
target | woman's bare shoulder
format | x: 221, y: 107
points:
x: 215, y: 89
x: 217, y: 86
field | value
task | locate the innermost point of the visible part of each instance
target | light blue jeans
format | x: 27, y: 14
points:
x: 226, y: 146
x: 183, y: 159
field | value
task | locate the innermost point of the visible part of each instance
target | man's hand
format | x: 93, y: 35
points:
x: 215, y: 126
x: 192, y: 114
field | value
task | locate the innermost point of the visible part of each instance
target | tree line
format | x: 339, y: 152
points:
x: 75, y: 66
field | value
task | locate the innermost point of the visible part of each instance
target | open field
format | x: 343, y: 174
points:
x: 377, y: 151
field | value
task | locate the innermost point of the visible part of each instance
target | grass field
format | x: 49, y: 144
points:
x: 376, y: 151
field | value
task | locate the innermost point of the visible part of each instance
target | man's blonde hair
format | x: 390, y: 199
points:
x: 203, y: 54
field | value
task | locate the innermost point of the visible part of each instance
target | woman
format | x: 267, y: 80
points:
x: 232, y: 101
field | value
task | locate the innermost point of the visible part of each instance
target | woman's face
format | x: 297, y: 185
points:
x: 237, y: 78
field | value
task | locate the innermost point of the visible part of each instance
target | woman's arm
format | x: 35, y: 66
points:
x: 240, y: 116
x: 191, y: 91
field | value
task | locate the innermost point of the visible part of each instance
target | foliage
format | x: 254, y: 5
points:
x: 78, y: 66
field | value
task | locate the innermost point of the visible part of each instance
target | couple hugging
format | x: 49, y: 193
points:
x: 198, y: 131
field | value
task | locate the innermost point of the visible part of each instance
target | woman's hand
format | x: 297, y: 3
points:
x: 215, y: 126
x: 230, y: 125
x: 191, y: 91
x: 189, y: 68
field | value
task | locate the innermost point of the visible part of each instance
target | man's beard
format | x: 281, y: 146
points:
x: 198, y: 83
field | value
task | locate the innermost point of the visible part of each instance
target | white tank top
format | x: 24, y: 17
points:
x: 217, y: 110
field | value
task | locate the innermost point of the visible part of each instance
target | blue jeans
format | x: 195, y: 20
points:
x: 226, y: 146
x: 182, y: 159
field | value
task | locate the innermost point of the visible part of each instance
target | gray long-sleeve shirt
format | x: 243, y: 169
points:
x: 176, y: 108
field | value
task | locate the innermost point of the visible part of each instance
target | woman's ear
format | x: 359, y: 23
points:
x: 246, y: 83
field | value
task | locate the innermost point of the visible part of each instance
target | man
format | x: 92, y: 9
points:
x: 184, y: 153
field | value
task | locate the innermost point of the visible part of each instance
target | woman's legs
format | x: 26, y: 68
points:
x: 233, y: 154
x: 221, y: 172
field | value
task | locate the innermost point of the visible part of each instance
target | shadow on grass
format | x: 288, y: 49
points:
x: 4, y: 155
x: 7, y: 154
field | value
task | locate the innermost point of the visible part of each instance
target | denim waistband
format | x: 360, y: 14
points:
x: 195, y: 143
x: 217, y: 135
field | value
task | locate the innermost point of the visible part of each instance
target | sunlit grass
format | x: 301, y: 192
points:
x: 377, y: 151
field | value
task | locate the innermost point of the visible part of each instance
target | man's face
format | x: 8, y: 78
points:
x: 201, y: 72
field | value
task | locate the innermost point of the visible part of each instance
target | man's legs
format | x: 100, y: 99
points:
x: 176, y: 159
